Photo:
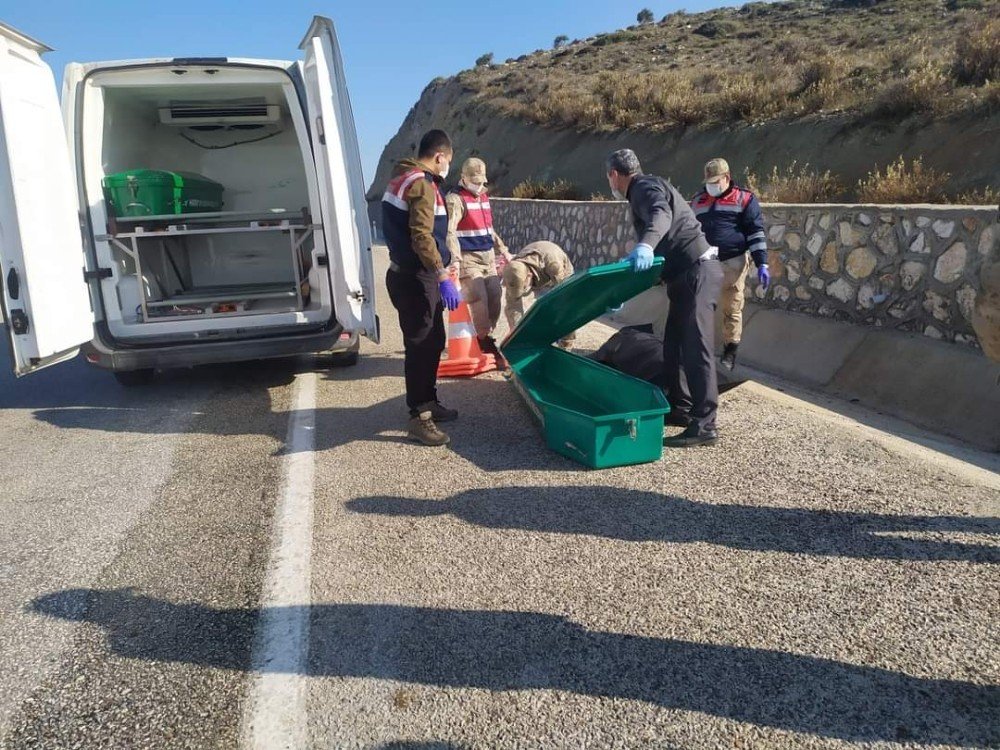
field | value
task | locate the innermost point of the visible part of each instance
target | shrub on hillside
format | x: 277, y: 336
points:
x: 820, y: 84
x: 750, y: 97
x: 644, y: 16
x: 560, y: 190
x: 560, y: 41
x: 921, y: 91
x: 819, y: 69
x: 657, y: 98
x: 977, y: 54
x: 795, y: 184
x: 484, y: 60
x: 904, y: 182
x: 713, y: 29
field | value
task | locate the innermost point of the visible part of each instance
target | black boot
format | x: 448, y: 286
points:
x: 729, y: 356
x: 488, y: 345
x: 692, y: 437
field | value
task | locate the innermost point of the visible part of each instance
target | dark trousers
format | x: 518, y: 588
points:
x: 689, y: 344
x: 417, y: 299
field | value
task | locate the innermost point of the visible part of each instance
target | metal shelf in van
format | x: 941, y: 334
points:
x: 299, y: 227
x: 227, y: 294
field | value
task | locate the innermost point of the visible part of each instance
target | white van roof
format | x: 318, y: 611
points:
x: 22, y: 38
x: 206, y: 61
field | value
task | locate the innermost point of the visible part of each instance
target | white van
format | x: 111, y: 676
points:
x: 283, y: 267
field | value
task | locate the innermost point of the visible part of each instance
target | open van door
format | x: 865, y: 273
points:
x: 45, y: 301
x: 341, y: 183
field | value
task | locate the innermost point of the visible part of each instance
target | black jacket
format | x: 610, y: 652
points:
x: 664, y: 221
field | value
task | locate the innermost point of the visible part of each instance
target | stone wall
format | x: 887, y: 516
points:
x: 910, y: 268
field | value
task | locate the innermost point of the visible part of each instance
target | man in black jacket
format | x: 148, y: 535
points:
x: 666, y: 226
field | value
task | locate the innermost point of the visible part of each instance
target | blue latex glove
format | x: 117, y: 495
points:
x: 641, y: 258
x: 764, y: 276
x: 449, y: 294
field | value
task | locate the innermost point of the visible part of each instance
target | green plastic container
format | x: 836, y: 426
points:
x: 153, y: 192
x: 589, y: 412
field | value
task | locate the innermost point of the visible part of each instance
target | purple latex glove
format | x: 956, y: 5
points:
x: 764, y: 276
x: 449, y: 294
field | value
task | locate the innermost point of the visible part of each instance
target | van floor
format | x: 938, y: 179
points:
x: 778, y: 590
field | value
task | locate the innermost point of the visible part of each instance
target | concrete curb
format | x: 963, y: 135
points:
x: 939, y: 386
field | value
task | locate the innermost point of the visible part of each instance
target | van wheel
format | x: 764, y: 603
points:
x: 132, y: 378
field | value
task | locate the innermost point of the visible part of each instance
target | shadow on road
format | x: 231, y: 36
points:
x: 500, y: 650
x: 235, y: 400
x: 635, y: 516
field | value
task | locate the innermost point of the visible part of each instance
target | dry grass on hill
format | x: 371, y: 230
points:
x: 878, y: 59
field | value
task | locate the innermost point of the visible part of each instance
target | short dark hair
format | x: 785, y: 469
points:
x: 624, y: 161
x: 433, y: 143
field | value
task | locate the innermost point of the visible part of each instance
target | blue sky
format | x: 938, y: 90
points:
x: 390, y: 51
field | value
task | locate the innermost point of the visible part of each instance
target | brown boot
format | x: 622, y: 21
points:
x: 423, y: 430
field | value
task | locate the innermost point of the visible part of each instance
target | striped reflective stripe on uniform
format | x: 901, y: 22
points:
x: 396, y: 195
x: 757, y: 241
x: 396, y: 201
x: 472, y: 233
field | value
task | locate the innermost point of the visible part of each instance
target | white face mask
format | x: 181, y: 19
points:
x: 473, y: 188
x: 617, y: 194
x: 443, y: 174
x: 714, y: 189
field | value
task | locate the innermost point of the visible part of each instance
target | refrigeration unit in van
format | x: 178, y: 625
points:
x: 181, y: 211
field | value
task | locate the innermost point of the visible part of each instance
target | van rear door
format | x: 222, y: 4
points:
x: 45, y: 301
x: 341, y: 183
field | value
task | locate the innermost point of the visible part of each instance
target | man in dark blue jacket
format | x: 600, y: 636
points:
x: 415, y: 221
x: 732, y: 220
x: 665, y: 226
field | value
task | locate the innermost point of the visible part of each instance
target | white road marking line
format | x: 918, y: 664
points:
x: 275, y: 717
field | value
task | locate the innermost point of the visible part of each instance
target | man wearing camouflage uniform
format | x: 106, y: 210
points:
x: 537, y: 268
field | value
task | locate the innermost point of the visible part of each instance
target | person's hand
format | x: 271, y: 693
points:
x: 449, y: 294
x: 641, y: 258
x: 764, y: 276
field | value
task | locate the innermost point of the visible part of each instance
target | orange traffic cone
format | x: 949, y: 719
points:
x: 464, y: 358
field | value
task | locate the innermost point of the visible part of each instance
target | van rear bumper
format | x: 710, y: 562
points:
x: 192, y: 355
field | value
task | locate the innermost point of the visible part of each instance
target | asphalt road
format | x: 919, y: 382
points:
x: 824, y: 577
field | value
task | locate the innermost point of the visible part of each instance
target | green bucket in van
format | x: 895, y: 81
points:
x: 154, y: 192
x: 589, y: 412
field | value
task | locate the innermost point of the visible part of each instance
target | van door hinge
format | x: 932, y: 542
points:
x: 320, y: 134
x: 19, y: 322
x: 359, y: 296
x: 100, y: 273
x: 322, y: 260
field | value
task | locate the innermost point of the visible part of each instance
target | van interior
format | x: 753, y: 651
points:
x: 254, y: 262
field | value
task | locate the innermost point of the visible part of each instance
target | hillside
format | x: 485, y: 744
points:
x: 843, y: 85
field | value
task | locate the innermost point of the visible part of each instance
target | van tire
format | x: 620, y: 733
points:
x: 133, y: 378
